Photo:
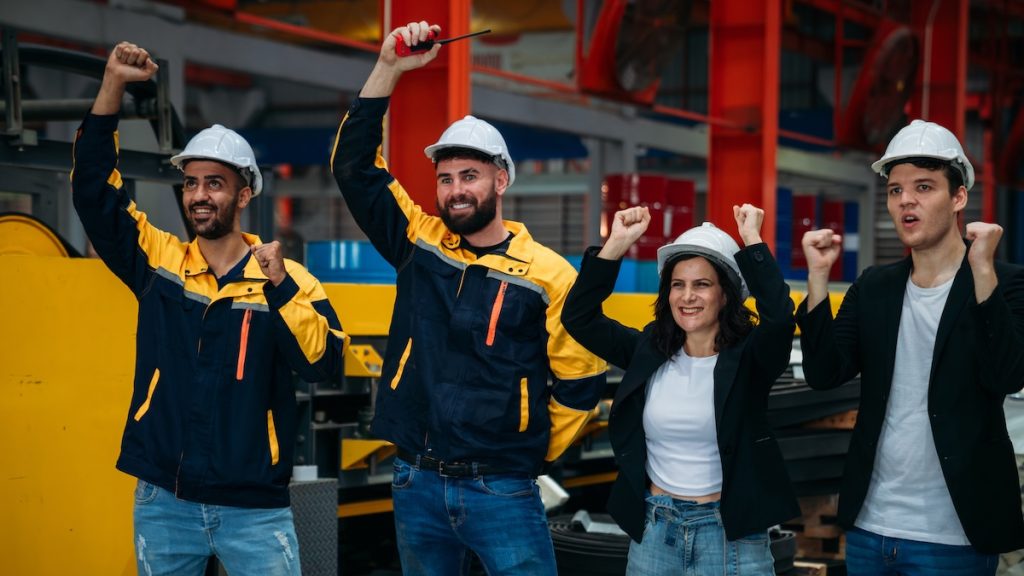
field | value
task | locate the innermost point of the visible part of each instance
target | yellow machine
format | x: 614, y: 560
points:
x: 66, y: 364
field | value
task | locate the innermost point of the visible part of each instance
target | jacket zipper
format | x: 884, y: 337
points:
x: 243, y: 344
x: 177, y: 475
x: 495, y: 312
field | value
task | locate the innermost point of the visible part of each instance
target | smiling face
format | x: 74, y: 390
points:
x: 213, y: 195
x: 467, y: 193
x: 696, y: 297
x: 922, y: 207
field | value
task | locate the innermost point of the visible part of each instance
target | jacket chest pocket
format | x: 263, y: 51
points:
x: 512, y: 314
x: 173, y: 317
x: 437, y: 285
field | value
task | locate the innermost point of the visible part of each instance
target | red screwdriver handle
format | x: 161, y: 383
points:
x: 402, y: 49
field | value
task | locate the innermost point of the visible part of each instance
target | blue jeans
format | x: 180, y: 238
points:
x: 683, y: 537
x: 872, y: 554
x: 439, y: 519
x: 177, y: 537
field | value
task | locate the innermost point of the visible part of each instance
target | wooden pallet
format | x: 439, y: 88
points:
x: 810, y: 568
x: 842, y: 421
x: 817, y: 533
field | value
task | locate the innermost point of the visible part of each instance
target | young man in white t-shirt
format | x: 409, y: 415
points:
x: 930, y: 484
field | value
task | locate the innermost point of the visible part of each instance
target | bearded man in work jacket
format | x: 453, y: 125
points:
x: 475, y: 334
x: 223, y: 321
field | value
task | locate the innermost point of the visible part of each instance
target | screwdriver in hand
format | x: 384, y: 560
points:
x: 403, y: 49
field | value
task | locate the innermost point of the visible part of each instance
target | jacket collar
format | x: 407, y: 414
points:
x: 960, y: 294
x: 521, y: 250
x: 195, y: 262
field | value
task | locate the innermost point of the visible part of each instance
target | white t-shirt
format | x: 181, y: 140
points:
x: 679, y: 421
x: 908, y: 497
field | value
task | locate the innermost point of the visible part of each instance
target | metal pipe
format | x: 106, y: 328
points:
x: 77, y: 108
x: 697, y: 116
x: 524, y: 79
x: 807, y: 138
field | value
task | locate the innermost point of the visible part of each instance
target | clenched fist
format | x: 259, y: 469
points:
x: 822, y: 249
x: 271, y: 262
x: 127, y: 63
x: 748, y: 221
x: 627, y: 226
x: 984, y: 239
x: 130, y: 63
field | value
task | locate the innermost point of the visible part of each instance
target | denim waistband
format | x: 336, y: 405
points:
x: 673, y: 509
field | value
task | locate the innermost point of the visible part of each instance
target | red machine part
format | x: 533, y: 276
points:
x: 630, y: 45
x: 876, y: 107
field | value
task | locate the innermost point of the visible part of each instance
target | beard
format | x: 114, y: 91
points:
x: 483, y: 213
x: 221, y: 222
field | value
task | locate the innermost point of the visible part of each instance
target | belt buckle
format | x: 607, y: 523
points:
x: 454, y: 469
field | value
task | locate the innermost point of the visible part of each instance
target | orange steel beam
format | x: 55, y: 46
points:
x: 745, y: 51
x: 303, y: 31
x: 429, y: 99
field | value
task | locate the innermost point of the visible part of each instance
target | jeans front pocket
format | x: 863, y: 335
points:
x: 508, y: 485
x: 403, y: 476
x: 145, y: 492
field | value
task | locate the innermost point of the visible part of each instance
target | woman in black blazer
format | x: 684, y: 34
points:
x: 701, y: 477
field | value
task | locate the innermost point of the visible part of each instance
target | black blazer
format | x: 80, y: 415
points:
x: 978, y: 359
x: 756, y: 492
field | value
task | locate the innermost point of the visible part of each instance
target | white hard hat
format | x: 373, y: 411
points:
x: 923, y: 139
x: 472, y: 132
x: 711, y: 243
x: 223, y: 145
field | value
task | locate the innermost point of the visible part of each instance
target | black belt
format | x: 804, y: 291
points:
x: 460, y: 469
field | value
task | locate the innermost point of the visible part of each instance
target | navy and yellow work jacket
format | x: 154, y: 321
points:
x: 472, y: 341
x: 213, y: 412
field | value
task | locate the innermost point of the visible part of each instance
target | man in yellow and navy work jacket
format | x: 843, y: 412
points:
x: 476, y: 334
x: 223, y: 321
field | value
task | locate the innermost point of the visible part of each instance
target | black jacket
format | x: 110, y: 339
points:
x: 756, y: 492
x: 978, y: 359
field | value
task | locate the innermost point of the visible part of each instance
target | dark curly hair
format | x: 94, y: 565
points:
x: 735, y: 320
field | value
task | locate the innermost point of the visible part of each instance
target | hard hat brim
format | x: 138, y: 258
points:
x: 670, y: 252
x: 966, y: 173
x: 179, y: 161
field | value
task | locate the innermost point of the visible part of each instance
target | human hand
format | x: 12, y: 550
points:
x: 822, y: 249
x: 411, y: 34
x: 984, y: 239
x: 627, y: 226
x: 748, y: 221
x: 130, y: 63
x: 271, y: 262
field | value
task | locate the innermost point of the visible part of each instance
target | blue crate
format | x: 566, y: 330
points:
x: 352, y: 261
x: 640, y: 276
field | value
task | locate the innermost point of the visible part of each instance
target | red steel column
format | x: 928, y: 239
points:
x: 429, y: 99
x: 941, y: 26
x: 745, y: 44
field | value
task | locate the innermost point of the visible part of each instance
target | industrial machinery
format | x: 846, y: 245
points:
x: 67, y: 359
